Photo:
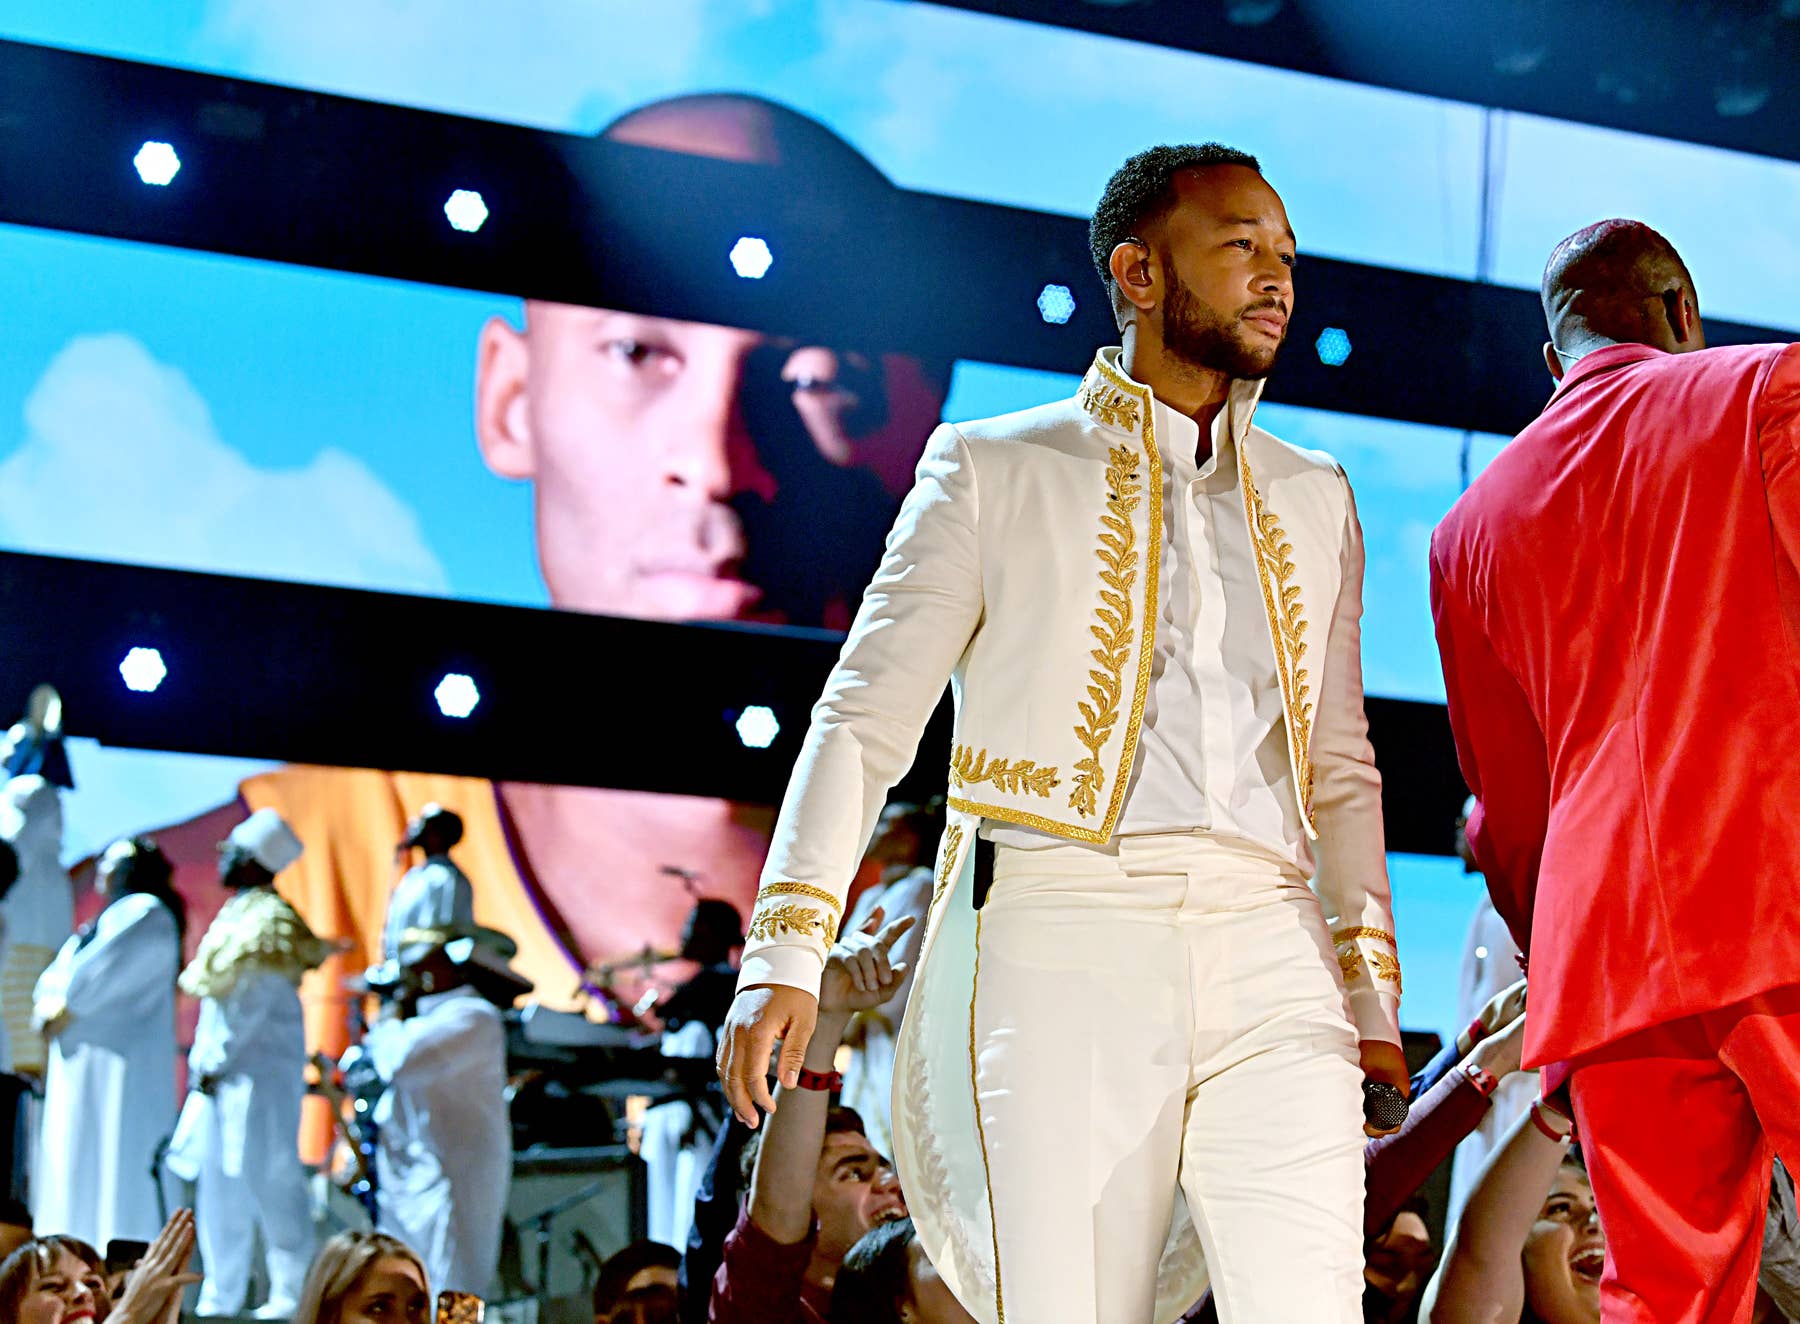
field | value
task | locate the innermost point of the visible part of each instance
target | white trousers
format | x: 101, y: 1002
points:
x: 1161, y: 1018
x: 251, y: 1181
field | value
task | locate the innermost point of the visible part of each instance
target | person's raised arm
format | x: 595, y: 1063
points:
x: 1481, y: 1279
x: 917, y: 617
x: 858, y: 975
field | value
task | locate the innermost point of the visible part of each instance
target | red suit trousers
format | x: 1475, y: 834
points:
x: 1678, y: 1126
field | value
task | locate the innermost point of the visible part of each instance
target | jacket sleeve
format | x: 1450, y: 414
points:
x: 917, y: 617
x: 1501, y: 750
x: 1778, y: 435
x: 1351, y: 852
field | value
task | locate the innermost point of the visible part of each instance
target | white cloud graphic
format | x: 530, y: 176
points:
x: 121, y: 461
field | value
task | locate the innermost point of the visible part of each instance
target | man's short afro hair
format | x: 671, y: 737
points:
x: 1143, y: 190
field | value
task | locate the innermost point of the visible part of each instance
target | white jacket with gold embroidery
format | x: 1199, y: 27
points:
x: 1023, y: 569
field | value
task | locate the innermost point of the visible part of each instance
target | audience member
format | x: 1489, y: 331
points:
x: 657, y: 1304
x: 62, y: 1280
x: 53, y: 1280
x: 645, y: 1263
x: 1397, y: 1263
x: 903, y: 848
x: 1528, y: 1246
x: 107, y: 1006
x: 365, y: 1278
x: 886, y: 1279
x: 818, y: 1184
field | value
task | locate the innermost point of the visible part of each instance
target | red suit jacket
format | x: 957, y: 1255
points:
x: 1618, y: 610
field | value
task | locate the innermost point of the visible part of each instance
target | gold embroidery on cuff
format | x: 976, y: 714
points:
x: 1349, y: 961
x: 1363, y: 931
x: 818, y: 894
x: 1387, y: 969
x: 1287, y: 623
x: 1014, y: 776
x: 1118, y: 576
x: 785, y: 918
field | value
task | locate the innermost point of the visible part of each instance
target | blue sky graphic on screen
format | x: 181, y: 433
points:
x: 250, y: 390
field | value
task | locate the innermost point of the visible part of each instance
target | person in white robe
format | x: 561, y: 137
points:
x: 238, y: 1135
x: 107, y: 1007
x: 1490, y: 965
x: 38, y: 913
x: 434, y: 900
x: 905, y: 842
x: 443, y: 1159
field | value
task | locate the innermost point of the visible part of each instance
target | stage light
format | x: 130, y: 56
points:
x: 456, y: 695
x: 1056, y: 304
x: 143, y: 670
x: 751, y: 258
x: 466, y: 210
x: 1481, y: 953
x: 1333, y: 345
x: 156, y: 163
x: 757, y: 727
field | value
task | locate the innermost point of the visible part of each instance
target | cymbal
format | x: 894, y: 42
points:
x: 642, y: 960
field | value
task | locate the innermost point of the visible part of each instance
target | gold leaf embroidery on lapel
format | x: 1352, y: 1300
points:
x: 1014, y: 776
x: 1287, y: 619
x: 1118, y: 575
x: 1112, y: 406
x: 772, y: 921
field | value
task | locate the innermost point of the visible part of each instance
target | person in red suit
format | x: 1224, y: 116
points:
x: 1618, y: 610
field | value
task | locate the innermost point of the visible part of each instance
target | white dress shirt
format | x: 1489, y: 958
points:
x: 1213, y: 754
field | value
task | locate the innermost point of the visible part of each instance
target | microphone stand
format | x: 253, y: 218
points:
x: 540, y: 1222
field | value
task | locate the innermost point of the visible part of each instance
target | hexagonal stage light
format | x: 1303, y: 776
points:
x: 456, y: 695
x: 1056, y: 304
x: 757, y: 726
x: 143, y: 670
x: 751, y: 258
x: 156, y: 163
x: 466, y: 210
x: 1333, y: 345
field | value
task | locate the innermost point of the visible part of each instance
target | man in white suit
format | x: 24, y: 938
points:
x: 1136, y: 1038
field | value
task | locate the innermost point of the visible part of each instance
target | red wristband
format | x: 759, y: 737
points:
x: 1537, y: 1120
x: 1476, y: 1032
x: 1482, y: 1079
x: 829, y: 1082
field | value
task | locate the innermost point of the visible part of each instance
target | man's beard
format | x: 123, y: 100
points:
x: 1200, y: 337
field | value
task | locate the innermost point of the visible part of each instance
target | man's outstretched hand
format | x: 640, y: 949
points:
x: 858, y: 976
x: 759, y: 1016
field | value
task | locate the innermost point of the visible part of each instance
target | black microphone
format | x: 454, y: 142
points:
x: 1384, y: 1106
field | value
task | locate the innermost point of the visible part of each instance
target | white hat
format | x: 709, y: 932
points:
x: 268, y: 839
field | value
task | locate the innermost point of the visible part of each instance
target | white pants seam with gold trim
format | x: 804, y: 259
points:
x: 1157, y: 1022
